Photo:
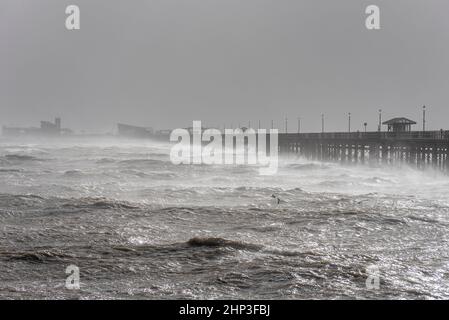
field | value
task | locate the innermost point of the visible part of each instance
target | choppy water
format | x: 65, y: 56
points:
x: 139, y: 227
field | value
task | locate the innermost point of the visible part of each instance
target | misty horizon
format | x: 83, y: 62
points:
x: 163, y: 64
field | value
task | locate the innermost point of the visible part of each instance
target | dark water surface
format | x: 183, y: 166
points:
x: 139, y: 227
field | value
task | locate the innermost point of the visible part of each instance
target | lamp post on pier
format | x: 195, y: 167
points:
x: 322, y: 122
x: 380, y: 121
x: 424, y: 118
x: 349, y: 122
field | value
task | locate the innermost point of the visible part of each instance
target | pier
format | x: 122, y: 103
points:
x: 416, y: 148
x: 397, y: 146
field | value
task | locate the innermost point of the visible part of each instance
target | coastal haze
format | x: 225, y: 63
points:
x: 140, y: 227
x: 166, y: 63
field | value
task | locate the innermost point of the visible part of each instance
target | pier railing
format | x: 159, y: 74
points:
x: 412, y: 135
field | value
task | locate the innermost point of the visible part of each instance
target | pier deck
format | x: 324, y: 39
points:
x: 416, y: 148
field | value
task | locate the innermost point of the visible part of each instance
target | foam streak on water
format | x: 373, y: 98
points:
x: 138, y: 226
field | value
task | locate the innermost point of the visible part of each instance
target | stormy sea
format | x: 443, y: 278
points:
x: 139, y: 227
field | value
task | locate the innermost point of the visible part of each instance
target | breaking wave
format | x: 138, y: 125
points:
x: 19, y: 158
x: 220, y: 242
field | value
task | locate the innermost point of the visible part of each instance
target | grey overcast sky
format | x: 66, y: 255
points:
x: 164, y: 63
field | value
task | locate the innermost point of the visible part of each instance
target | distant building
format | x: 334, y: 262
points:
x: 399, y: 124
x: 131, y: 131
x: 47, y: 128
x: 50, y: 127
